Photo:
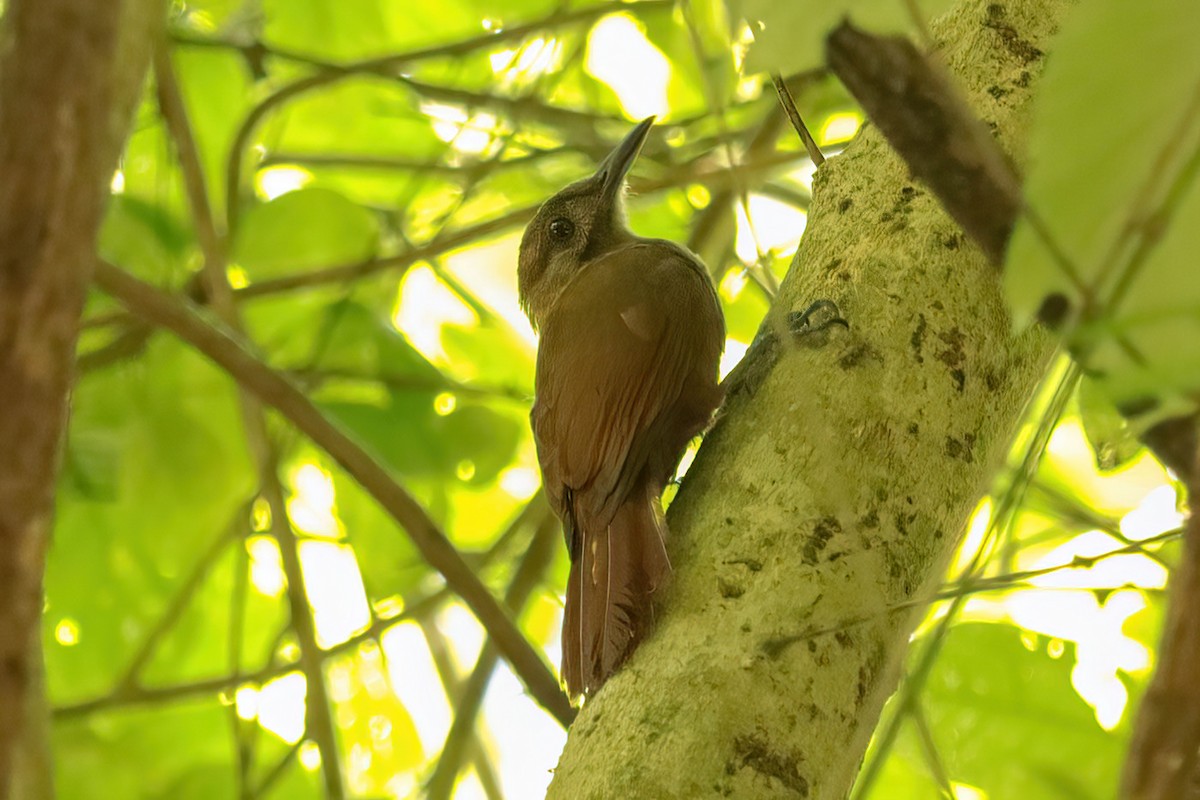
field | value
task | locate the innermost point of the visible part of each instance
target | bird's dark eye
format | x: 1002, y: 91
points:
x: 561, y: 229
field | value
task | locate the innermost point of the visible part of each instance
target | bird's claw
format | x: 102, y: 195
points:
x: 817, y: 319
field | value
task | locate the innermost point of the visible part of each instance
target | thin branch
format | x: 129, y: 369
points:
x: 277, y: 771
x: 793, y: 113
x: 416, y: 610
x: 450, y: 50
x: 277, y: 392
x: 319, y: 721
x: 929, y: 748
x: 461, y: 734
x: 713, y: 178
x: 443, y: 662
x: 718, y: 180
x: 163, y: 695
x: 389, y: 65
x: 314, y: 376
x: 183, y: 597
x: 244, y: 735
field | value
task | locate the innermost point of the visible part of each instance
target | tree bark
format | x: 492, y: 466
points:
x: 1164, y: 753
x: 837, y: 481
x: 70, y: 74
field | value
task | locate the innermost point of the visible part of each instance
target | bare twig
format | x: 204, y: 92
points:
x: 789, y: 106
x: 183, y: 597
x: 319, y: 722
x: 529, y: 574
x: 452, y: 682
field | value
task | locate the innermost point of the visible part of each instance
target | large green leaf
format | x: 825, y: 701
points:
x: 145, y: 753
x: 1006, y: 719
x: 1115, y: 152
x: 143, y: 239
x: 166, y: 473
x: 790, y: 37
x: 304, y: 229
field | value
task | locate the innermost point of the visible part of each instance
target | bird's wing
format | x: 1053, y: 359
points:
x: 629, y: 338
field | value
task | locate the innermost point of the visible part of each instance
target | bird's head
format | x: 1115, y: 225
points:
x: 580, y: 223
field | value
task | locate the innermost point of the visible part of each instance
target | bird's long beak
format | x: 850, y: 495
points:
x: 614, y: 167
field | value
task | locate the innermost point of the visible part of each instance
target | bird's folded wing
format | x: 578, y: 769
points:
x: 616, y: 353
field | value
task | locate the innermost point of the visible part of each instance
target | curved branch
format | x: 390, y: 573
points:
x: 271, y: 388
x: 388, y: 65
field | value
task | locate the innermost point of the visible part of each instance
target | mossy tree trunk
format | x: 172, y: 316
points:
x: 838, y: 480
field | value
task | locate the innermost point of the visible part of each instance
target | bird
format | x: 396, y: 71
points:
x: 630, y: 340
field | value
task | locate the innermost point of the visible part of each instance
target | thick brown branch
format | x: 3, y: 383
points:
x: 65, y: 100
x: 931, y: 126
x: 274, y: 390
x: 1164, y: 755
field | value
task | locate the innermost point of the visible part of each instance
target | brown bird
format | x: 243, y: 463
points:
x: 627, y: 366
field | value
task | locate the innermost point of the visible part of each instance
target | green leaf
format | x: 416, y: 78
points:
x: 1108, y: 432
x: 304, y: 229
x: 1006, y: 720
x: 142, y: 238
x: 91, y: 465
x: 790, y: 37
x: 137, y: 753
x: 1121, y: 206
x: 473, y: 442
x: 122, y: 553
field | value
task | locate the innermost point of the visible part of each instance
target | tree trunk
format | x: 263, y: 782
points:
x: 838, y: 480
x: 70, y: 73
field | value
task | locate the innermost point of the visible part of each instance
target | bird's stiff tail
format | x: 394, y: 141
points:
x: 614, y: 575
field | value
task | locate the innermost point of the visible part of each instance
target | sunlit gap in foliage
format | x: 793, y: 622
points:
x: 730, y: 288
x: 66, y: 632
x: 772, y: 227
x: 331, y: 574
x: 840, y: 128
x: 520, y: 482
x: 1070, y: 604
x: 273, y: 182
x: 424, y: 305
x: 964, y: 791
x: 489, y: 268
x: 117, y: 185
x: 620, y: 56
x: 471, y: 134
x: 533, y: 58
x: 378, y: 736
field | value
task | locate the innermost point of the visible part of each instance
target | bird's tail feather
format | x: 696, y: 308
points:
x: 609, y: 607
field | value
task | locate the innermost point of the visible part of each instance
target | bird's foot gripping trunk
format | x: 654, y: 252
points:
x: 610, y: 592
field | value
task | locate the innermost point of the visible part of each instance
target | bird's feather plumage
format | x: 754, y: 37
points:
x: 613, y: 414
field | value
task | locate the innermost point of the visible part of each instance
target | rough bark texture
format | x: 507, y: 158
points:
x: 69, y: 76
x: 1164, y: 754
x: 837, y: 482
